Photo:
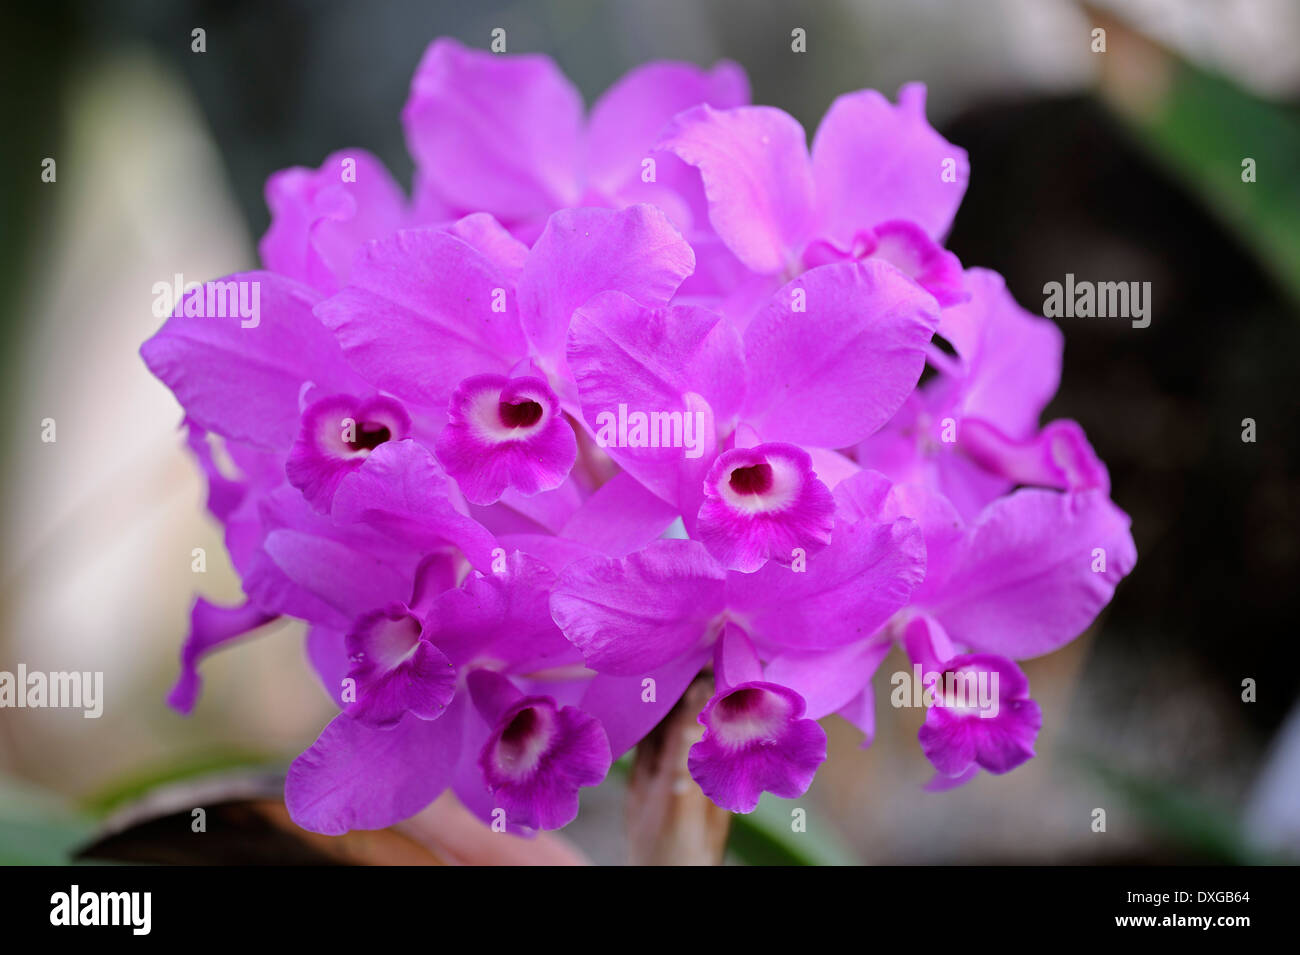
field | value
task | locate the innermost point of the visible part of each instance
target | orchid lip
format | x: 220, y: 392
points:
x: 506, y: 410
x: 505, y: 434
x: 761, y: 503
x: 395, y: 639
x: 756, y: 739
x: 338, y: 433
x: 537, y: 754
x: 346, y: 428
x: 761, y: 483
x: 523, y: 742
x: 396, y: 669
x: 750, y: 715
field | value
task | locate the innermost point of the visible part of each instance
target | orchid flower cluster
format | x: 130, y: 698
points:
x: 617, y: 399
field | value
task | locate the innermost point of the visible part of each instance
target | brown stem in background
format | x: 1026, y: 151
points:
x: 670, y: 821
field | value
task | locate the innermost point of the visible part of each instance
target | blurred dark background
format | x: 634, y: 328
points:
x: 1124, y: 165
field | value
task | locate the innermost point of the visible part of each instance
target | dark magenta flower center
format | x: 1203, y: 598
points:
x: 520, y: 730
x: 754, y: 479
x: 522, y: 415
x: 740, y: 703
x: 369, y: 436
x: 523, y: 742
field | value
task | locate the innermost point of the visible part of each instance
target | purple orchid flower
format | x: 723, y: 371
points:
x: 879, y: 183
x: 972, y: 433
x: 980, y: 715
x: 755, y: 737
x: 538, y: 754
x: 1027, y: 577
x: 512, y: 755
x: 660, y: 615
x: 321, y: 217
x: 506, y: 433
x: 338, y: 433
x: 506, y: 135
x: 764, y: 502
x: 615, y: 401
x: 478, y: 142
x: 396, y: 669
x: 858, y: 331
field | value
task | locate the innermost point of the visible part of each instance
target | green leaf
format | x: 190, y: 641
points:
x: 1201, y: 129
x: 135, y: 786
x: 36, y: 827
x: 766, y: 837
x: 1187, y: 821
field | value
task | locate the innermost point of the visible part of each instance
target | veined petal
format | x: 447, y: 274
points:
x: 1059, y: 456
x: 492, y: 133
x: 629, y: 707
x: 621, y: 517
x: 1010, y: 359
x: 628, y: 117
x: 240, y: 377
x: 845, y: 594
x: 872, y: 497
x: 735, y: 659
x: 874, y: 161
x: 358, y: 777
x: 308, y: 566
x: 502, y: 618
x: 423, y: 310
x: 828, y: 680
x: 401, y: 491
x: 861, y: 713
x: 637, y: 613
x: 486, y: 235
x: 754, y: 161
x: 656, y: 386
x: 835, y: 353
x: 211, y: 627
x: 586, y: 251
x: 1034, y: 572
x: 329, y: 658
x: 320, y: 217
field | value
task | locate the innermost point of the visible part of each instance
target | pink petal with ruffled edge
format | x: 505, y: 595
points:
x: 955, y: 737
x: 397, y: 669
x: 538, y: 754
x: 505, y: 433
x: 337, y: 435
x: 755, y: 741
x: 763, y: 503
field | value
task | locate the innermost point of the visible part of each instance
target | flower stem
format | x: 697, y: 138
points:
x: 670, y: 821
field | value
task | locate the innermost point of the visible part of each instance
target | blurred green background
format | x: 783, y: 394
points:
x: 1124, y: 165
